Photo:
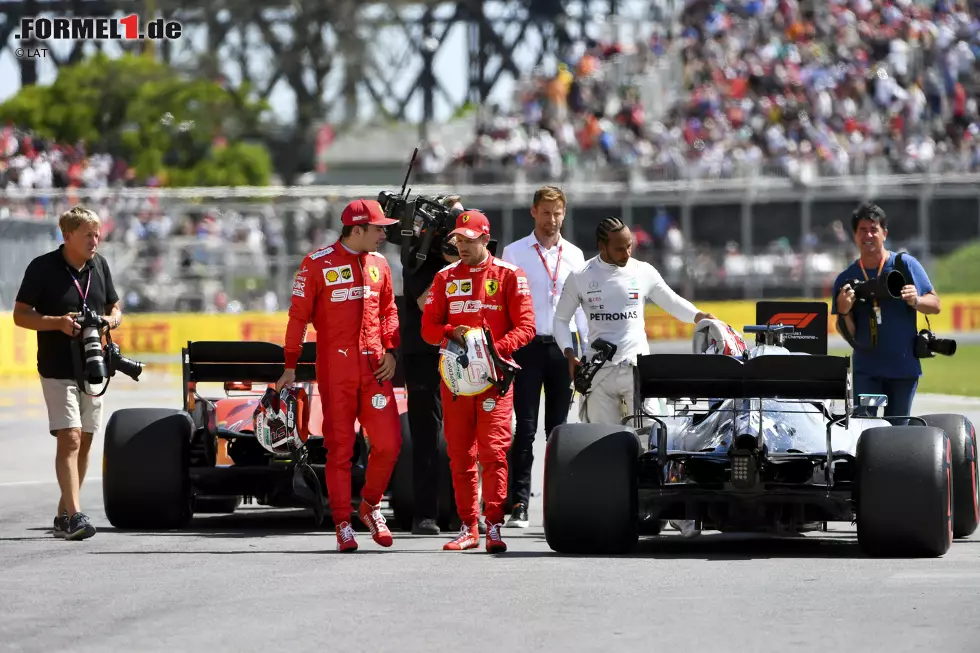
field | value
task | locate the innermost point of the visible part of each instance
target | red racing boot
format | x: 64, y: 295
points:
x: 495, y: 543
x: 468, y: 538
x: 345, y: 538
x: 375, y: 522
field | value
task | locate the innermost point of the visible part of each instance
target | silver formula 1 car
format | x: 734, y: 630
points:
x: 771, y: 444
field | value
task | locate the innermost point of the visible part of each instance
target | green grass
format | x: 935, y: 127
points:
x: 959, y: 271
x: 958, y: 374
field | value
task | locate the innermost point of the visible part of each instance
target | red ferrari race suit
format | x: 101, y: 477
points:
x: 496, y: 294
x: 350, y: 301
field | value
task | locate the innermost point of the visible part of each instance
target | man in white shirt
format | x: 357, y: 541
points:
x: 613, y: 288
x: 547, y: 259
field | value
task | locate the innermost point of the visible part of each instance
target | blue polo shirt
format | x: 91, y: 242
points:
x: 893, y: 358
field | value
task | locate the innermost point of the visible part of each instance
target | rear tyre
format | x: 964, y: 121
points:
x: 904, y: 492
x: 590, y: 489
x: 966, y: 476
x: 146, y: 468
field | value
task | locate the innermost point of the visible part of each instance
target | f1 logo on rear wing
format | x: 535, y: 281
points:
x: 808, y: 318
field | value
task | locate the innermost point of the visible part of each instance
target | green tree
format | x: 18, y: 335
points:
x: 187, y: 131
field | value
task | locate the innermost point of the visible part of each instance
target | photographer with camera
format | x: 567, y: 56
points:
x: 877, y: 301
x: 612, y: 288
x: 420, y: 362
x: 68, y: 297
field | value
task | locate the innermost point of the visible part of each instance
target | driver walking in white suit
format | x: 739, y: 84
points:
x: 612, y: 288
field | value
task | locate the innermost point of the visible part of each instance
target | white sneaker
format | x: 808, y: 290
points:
x: 686, y: 527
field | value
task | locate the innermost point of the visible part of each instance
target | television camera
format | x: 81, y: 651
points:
x: 423, y: 222
x: 99, y: 363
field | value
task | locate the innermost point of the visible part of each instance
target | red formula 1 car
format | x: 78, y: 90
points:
x: 161, y: 466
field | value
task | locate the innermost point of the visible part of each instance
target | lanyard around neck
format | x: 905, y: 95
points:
x: 88, y: 284
x: 553, y: 277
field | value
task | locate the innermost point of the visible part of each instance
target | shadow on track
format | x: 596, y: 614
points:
x: 249, y: 524
x: 723, y: 547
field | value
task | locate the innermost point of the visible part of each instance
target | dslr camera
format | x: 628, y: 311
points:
x: 927, y: 345
x: 98, y: 362
x: 883, y: 287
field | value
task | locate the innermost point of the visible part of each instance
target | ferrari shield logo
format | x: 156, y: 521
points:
x: 374, y: 274
x: 466, y: 218
x: 492, y: 286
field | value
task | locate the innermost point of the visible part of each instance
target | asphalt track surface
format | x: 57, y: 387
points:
x: 264, y: 579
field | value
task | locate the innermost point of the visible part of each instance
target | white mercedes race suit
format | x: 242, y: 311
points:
x: 613, y: 299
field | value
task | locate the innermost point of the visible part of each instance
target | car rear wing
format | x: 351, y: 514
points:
x: 709, y: 376
x: 217, y: 361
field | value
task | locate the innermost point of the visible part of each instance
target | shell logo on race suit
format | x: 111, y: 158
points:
x: 459, y: 288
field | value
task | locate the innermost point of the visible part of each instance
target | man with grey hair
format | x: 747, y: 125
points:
x: 57, y: 288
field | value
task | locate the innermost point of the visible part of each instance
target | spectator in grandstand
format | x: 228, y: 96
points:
x: 57, y: 287
x: 882, y: 332
x: 770, y: 88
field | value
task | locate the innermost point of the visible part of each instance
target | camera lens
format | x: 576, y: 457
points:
x: 943, y: 346
x: 92, y: 355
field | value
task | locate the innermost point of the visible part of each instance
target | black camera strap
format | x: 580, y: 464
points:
x: 903, y: 267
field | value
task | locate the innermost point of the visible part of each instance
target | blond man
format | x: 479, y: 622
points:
x: 57, y: 288
x: 547, y: 258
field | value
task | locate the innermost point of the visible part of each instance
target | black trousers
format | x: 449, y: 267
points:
x: 425, y: 421
x: 542, y: 366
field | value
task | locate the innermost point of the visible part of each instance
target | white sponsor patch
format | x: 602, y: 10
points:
x: 459, y: 287
x: 470, y: 306
x: 489, y: 404
x: 379, y: 401
x: 338, y: 275
x: 299, y: 286
x: 354, y: 292
x: 321, y: 253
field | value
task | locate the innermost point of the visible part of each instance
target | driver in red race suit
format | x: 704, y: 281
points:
x: 345, y: 290
x: 476, y: 290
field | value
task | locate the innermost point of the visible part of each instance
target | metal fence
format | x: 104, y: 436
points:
x: 232, y: 249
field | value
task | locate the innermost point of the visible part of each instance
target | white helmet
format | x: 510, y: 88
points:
x: 716, y: 337
x: 470, y: 371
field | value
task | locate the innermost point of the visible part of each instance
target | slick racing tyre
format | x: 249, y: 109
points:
x: 590, y: 489
x: 146, y: 469
x: 966, y: 493
x: 904, y: 491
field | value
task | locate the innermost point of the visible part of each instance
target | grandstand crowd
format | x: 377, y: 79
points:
x: 737, y: 87
x: 775, y: 87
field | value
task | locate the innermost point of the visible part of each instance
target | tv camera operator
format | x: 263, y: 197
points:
x: 877, y: 300
x: 613, y: 288
x: 423, y: 234
x: 68, y: 297
x: 420, y: 364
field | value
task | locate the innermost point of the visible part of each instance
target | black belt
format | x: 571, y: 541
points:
x: 544, y: 340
